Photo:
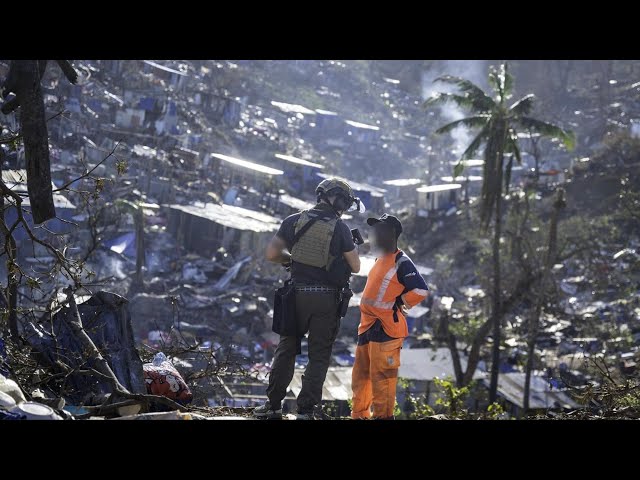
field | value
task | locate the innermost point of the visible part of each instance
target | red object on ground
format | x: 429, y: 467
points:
x: 165, y: 380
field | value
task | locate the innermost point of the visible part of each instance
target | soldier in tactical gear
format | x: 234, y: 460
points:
x: 319, y: 248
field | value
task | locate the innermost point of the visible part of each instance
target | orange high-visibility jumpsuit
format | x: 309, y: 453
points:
x: 392, y: 283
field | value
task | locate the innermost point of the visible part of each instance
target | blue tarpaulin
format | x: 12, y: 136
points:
x: 124, y: 244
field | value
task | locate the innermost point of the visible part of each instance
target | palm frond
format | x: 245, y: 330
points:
x: 441, y: 98
x: 474, y: 146
x: 513, y: 148
x: 548, y: 130
x: 480, y: 98
x: 523, y: 106
x: 458, y: 169
x: 469, y: 122
x: 465, y: 100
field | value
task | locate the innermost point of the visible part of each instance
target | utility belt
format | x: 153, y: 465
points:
x: 316, y: 289
x: 284, y: 305
x: 344, y: 294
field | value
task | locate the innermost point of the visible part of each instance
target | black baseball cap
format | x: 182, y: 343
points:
x: 389, y: 220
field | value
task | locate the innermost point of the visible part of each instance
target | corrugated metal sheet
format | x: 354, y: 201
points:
x: 541, y: 396
x: 292, y: 108
x: 337, y: 385
x: 233, y: 217
x: 361, y: 125
x: 256, y: 167
x: 16, y: 180
x: 438, y: 188
x: 402, y: 182
x: 298, y: 161
x: 428, y: 363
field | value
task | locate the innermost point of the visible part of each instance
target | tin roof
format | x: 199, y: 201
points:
x: 256, y: 167
x: 438, y: 188
x: 402, y: 182
x: 298, y: 161
x: 230, y: 216
x: 541, y: 395
x: 428, y: 363
x: 361, y: 125
x: 292, y: 108
x: 337, y: 385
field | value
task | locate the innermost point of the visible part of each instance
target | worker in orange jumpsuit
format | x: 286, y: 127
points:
x: 393, y: 286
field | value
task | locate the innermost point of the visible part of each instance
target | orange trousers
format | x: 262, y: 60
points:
x: 374, y: 379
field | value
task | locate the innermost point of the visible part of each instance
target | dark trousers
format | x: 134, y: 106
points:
x: 316, y: 313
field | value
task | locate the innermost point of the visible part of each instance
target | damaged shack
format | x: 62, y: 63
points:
x: 205, y: 227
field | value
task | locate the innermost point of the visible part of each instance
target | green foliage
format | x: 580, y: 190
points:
x: 121, y: 167
x: 466, y: 328
x: 33, y: 283
x: 397, y: 412
x: 418, y: 408
x: 98, y: 187
x: 457, y: 170
x: 452, y: 398
x: 495, y: 411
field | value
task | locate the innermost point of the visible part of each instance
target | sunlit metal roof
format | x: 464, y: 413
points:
x: 337, y: 385
x: 469, y: 163
x: 231, y: 216
x: 541, y: 394
x: 438, y: 188
x: 402, y: 182
x: 361, y: 125
x: 428, y: 363
x: 299, y: 161
x: 325, y: 112
x: 256, y: 167
x: 293, y: 108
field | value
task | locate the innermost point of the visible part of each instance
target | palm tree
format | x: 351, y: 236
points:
x: 498, y: 124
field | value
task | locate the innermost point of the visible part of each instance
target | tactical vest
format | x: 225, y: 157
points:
x: 313, y: 247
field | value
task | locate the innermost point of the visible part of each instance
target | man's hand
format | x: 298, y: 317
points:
x: 402, y: 306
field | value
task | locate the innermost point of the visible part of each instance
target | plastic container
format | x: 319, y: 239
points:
x: 36, y: 411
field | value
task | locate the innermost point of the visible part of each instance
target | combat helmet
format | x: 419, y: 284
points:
x: 345, y: 197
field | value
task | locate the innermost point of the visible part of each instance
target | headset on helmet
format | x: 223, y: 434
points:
x: 345, y: 199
